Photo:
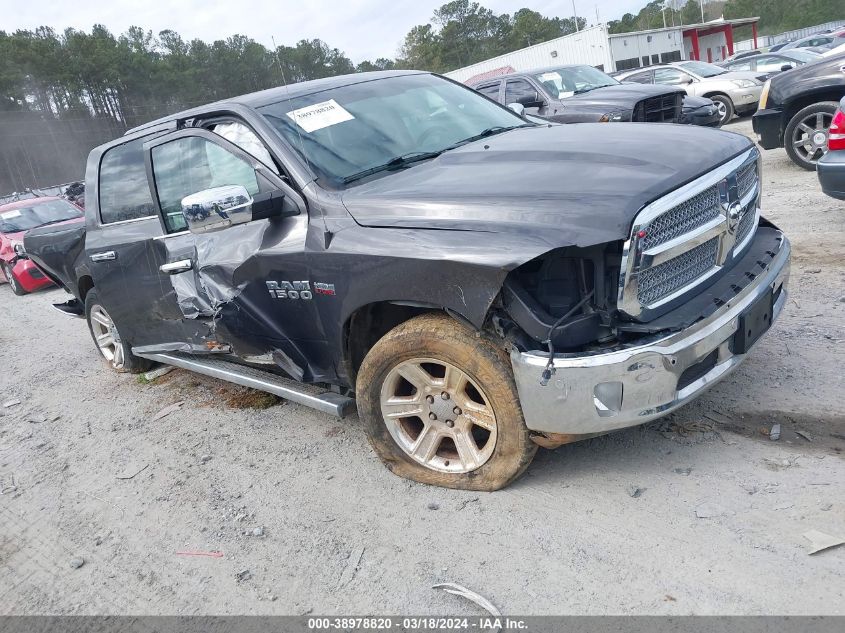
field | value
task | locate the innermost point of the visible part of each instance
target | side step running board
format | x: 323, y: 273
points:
x: 306, y: 395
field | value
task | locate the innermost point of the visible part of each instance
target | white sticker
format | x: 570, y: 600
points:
x: 549, y: 77
x: 8, y: 215
x: 320, y: 115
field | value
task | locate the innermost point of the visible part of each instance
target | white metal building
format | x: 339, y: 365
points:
x: 589, y: 46
x: 710, y: 41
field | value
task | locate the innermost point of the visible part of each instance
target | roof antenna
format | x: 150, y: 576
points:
x: 327, y: 235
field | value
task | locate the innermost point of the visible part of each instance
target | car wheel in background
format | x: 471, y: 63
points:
x: 14, y: 284
x: 113, y: 348
x: 725, y: 108
x: 805, y: 138
x: 440, y: 406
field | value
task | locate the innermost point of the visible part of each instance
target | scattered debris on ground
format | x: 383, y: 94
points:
x: 459, y: 590
x: 150, y: 376
x: 168, y: 410
x: 819, y: 541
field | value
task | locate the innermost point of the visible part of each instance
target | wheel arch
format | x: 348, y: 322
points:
x: 809, y: 98
x: 367, y: 324
x: 84, y: 286
x: 717, y: 93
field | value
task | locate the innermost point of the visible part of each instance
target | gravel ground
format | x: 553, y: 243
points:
x: 308, y: 521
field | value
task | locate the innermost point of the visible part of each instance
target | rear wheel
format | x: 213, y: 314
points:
x: 440, y: 406
x: 14, y: 284
x: 113, y: 348
x: 805, y: 138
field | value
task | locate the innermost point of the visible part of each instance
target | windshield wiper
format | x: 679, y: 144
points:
x: 394, y: 163
x: 490, y: 131
x: 581, y: 91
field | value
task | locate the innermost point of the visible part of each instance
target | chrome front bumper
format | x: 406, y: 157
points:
x: 599, y: 393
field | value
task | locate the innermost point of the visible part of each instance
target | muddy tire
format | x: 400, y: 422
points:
x: 14, y: 284
x: 439, y: 406
x: 112, y: 347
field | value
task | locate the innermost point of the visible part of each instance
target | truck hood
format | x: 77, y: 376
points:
x: 621, y: 97
x: 579, y: 184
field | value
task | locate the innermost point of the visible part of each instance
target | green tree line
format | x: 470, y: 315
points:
x: 776, y: 16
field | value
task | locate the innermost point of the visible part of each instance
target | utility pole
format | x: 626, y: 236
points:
x: 701, y: 4
x: 575, y: 14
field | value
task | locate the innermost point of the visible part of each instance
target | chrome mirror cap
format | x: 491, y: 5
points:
x: 217, y: 208
x: 517, y: 107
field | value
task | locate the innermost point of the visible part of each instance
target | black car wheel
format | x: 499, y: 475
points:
x: 725, y: 108
x: 805, y: 138
x: 14, y: 284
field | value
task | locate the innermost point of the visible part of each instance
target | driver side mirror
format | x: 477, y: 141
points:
x: 517, y: 107
x: 221, y: 207
x: 786, y: 67
x: 217, y: 208
x: 531, y: 100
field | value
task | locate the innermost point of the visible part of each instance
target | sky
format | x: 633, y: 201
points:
x: 363, y: 29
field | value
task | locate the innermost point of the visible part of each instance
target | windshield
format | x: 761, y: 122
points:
x: 702, y: 69
x: 38, y: 214
x: 346, y: 131
x: 802, y: 56
x: 572, y: 80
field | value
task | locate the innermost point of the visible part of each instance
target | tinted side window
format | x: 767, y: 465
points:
x: 670, y: 76
x: 517, y: 89
x: 741, y: 65
x: 191, y: 164
x: 772, y: 64
x: 124, y: 190
x: 640, y: 78
x: 490, y: 90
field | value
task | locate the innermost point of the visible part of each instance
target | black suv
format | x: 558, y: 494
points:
x: 796, y: 108
x: 577, y: 94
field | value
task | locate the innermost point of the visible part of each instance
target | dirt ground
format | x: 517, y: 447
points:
x: 308, y: 521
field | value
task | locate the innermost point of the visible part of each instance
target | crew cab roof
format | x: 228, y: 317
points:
x: 523, y: 73
x: 273, y: 95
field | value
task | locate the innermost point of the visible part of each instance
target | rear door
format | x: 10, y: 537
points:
x: 118, y: 243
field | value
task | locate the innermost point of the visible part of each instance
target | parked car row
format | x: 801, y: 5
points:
x: 579, y: 93
x: 16, y: 218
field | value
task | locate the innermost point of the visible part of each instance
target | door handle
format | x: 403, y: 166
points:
x: 173, y: 268
x: 105, y: 256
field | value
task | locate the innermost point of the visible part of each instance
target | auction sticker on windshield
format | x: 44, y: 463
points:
x: 320, y: 115
x: 8, y: 215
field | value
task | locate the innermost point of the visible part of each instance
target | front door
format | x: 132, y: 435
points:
x: 227, y: 283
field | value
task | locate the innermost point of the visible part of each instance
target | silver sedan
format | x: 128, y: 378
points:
x: 732, y: 92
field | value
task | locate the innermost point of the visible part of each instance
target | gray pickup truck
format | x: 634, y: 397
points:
x: 476, y: 283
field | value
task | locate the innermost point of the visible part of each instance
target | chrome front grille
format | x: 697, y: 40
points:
x: 685, y: 217
x: 666, y: 278
x: 688, y: 235
x: 746, y: 179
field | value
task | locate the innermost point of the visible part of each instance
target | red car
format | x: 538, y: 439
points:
x: 16, y: 218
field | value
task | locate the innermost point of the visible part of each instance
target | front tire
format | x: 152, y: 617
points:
x: 725, y: 107
x: 14, y: 284
x: 805, y: 138
x: 440, y: 406
x: 113, y: 348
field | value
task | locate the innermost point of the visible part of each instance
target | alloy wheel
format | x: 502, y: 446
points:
x: 106, y: 336
x: 10, y: 277
x: 438, y: 415
x: 809, y: 138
